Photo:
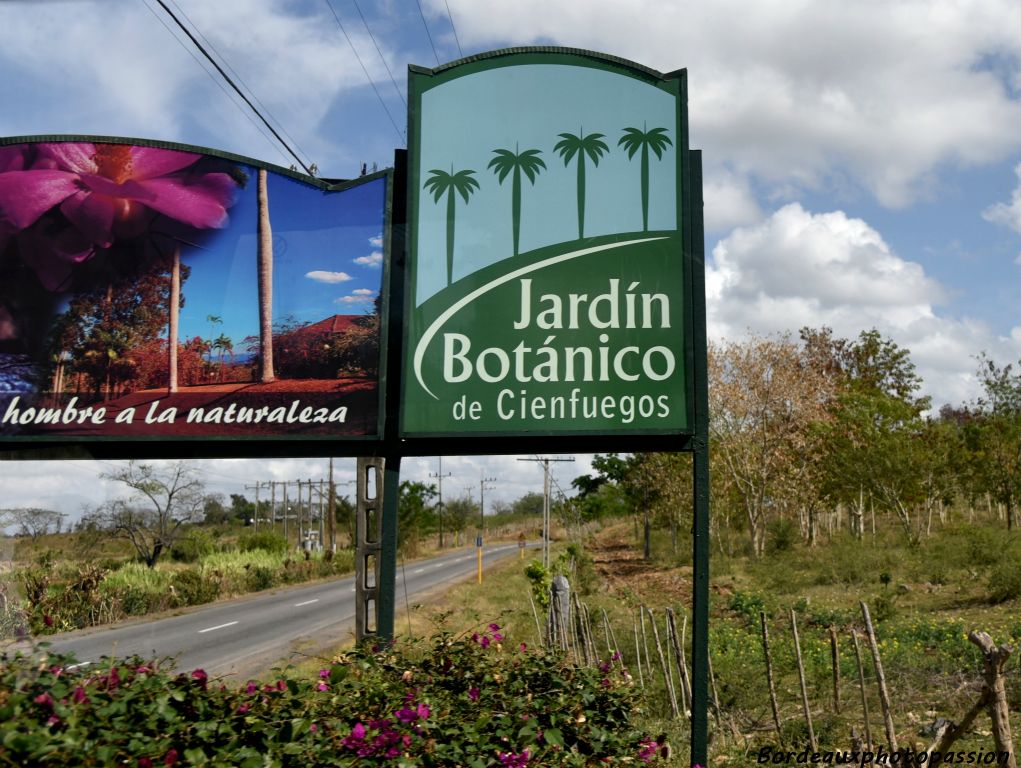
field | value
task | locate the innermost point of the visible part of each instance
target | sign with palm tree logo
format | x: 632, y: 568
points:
x: 547, y: 288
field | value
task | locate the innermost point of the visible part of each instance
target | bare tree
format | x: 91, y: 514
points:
x: 165, y: 499
x: 32, y: 521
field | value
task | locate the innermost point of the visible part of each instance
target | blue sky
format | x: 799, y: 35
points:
x: 862, y: 159
x: 327, y: 259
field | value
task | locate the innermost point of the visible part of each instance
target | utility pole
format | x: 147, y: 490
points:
x: 256, y: 489
x: 545, y: 461
x: 439, y: 484
x: 332, y: 511
x: 482, y: 518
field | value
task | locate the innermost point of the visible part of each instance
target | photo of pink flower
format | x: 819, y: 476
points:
x: 71, y: 199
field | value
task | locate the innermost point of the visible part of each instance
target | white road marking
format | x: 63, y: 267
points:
x: 418, y: 570
x: 218, y: 626
x: 307, y: 602
x: 79, y: 664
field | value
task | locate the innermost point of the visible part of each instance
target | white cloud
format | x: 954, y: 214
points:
x: 374, y: 259
x: 798, y: 269
x: 322, y: 276
x: 1007, y: 214
x: 729, y: 202
x: 376, y: 242
x: 363, y: 292
x: 355, y: 298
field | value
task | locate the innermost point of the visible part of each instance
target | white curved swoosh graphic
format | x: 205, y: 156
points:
x: 457, y: 306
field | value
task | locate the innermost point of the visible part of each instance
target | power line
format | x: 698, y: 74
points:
x: 234, y: 72
x: 427, y: 32
x: 453, y: 29
x: 219, y: 84
x: 233, y: 85
x: 400, y: 94
x: 366, y: 71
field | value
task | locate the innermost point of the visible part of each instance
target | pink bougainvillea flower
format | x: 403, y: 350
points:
x: 99, y: 193
x: 473, y: 693
x: 514, y: 759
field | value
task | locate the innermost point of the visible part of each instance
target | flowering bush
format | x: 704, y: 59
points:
x: 446, y: 701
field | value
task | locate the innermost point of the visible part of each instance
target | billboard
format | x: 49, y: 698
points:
x: 547, y: 291
x: 165, y: 293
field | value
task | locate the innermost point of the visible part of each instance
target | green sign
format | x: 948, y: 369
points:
x: 547, y: 285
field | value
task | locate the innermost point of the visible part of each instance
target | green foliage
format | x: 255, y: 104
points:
x: 193, y: 546
x: 1005, y: 581
x: 451, y: 700
x: 192, y: 588
x: 267, y: 541
x: 781, y: 535
x: 749, y: 606
x: 541, y: 579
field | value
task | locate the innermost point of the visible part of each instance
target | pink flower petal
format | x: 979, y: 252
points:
x: 12, y: 158
x: 202, y: 204
x: 53, y: 255
x: 27, y: 195
x: 92, y: 214
x: 148, y: 162
x: 78, y: 157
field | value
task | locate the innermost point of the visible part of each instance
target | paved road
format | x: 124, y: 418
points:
x: 245, y: 636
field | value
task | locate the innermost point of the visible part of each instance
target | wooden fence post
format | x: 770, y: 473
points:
x: 804, y: 689
x: 769, y: 676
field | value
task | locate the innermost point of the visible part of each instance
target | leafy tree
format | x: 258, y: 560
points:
x: 458, y: 512
x: 995, y: 435
x: 514, y: 164
x: 529, y: 505
x: 876, y: 444
x: 654, y: 139
x: 765, y: 395
x: 451, y: 184
x: 213, y: 511
x: 414, y: 512
x: 241, y: 508
x: 580, y: 146
x: 164, y: 500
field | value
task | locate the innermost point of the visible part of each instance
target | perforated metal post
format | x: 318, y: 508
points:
x: 368, y: 545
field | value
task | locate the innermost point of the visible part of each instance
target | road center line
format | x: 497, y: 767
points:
x: 307, y: 602
x: 218, y: 626
x: 419, y: 570
x: 79, y: 664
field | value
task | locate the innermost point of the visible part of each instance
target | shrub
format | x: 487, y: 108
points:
x: 267, y: 541
x: 193, y: 547
x: 192, y: 588
x: 1004, y: 582
x: 451, y: 700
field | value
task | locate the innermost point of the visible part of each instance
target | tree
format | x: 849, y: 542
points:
x: 213, y: 511
x: 581, y: 146
x: 515, y: 163
x: 265, y: 270
x: 654, y: 139
x: 442, y: 183
x: 413, y: 511
x: 224, y: 345
x: 164, y: 500
x: 32, y: 522
x: 458, y: 512
x: 996, y: 435
x: 765, y: 395
x: 529, y: 505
